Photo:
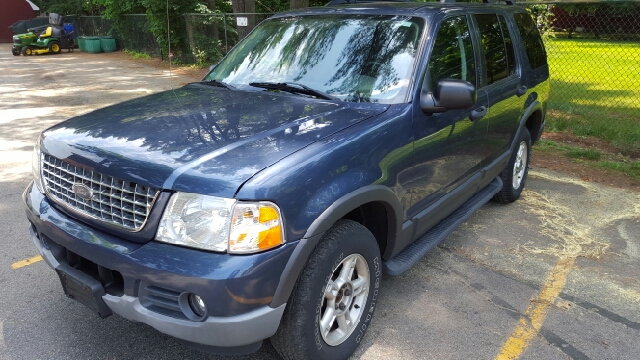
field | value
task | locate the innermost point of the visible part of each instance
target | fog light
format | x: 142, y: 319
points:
x: 197, y: 305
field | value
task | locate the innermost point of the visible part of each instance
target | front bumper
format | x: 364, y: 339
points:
x: 236, y: 289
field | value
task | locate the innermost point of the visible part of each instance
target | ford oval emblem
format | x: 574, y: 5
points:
x: 82, y: 191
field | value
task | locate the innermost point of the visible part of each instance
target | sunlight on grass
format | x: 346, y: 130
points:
x: 631, y: 169
x: 136, y: 55
x: 595, y: 90
x: 590, y: 154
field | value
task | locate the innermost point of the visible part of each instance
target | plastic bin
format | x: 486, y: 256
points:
x: 81, y: 45
x: 107, y: 43
x: 92, y: 44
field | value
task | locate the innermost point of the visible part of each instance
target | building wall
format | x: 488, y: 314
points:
x: 12, y: 11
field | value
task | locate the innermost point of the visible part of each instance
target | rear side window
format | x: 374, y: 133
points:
x: 531, y: 39
x: 508, y: 44
x: 452, y: 55
x: 497, y: 47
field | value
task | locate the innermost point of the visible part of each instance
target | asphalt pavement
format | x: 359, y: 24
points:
x: 554, y: 275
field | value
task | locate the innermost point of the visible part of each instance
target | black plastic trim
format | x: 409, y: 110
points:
x: 535, y: 106
x: 337, y: 210
x: 405, y: 260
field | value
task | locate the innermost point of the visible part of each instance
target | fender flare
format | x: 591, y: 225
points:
x: 315, y: 232
x: 533, y: 107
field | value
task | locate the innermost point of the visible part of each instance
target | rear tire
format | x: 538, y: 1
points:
x: 515, y: 173
x: 335, y: 297
x: 54, y: 47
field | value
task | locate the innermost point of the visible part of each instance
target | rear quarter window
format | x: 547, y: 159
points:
x: 531, y: 39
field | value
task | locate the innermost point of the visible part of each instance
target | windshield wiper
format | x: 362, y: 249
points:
x: 217, y: 83
x: 294, y: 88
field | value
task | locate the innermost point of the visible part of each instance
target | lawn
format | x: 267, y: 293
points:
x: 596, y: 90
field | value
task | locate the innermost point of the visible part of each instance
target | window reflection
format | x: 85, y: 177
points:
x: 452, y: 54
x: 359, y: 58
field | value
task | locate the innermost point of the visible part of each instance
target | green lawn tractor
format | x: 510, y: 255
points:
x: 42, y: 40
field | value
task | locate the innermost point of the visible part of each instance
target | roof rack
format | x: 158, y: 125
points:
x: 508, y: 2
x: 341, y: 2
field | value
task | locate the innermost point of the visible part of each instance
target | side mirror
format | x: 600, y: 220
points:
x: 448, y: 95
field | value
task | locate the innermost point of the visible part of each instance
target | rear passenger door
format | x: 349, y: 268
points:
x: 501, y: 79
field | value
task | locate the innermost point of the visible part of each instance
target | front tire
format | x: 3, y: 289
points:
x: 335, y: 297
x: 515, y: 173
x: 15, y: 51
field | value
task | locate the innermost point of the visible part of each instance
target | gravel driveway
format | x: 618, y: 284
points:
x: 553, y: 276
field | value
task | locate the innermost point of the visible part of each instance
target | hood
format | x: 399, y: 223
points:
x: 199, y: 138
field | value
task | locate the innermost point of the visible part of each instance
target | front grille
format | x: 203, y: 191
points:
x: 17, y: 41
x: 114, y: 201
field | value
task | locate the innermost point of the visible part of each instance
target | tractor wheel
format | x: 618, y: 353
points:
x: 54, y: 47
x: 15, y: 51
x: 26, y: 51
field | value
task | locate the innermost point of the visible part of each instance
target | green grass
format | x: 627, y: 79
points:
x: 590, y: 154
x: 591, y: 157
x: 595, y: 90
x: 631, y: 169
x: 136, y: 55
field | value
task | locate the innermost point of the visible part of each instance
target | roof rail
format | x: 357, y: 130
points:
x: 344, y: 2
x: 508, y: 2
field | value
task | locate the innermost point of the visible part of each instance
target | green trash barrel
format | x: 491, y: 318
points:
x: 92, y: 44
x: 81, y: 44
x: 108, y: 43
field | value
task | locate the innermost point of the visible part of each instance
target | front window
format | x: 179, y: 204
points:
x: 360, y: 58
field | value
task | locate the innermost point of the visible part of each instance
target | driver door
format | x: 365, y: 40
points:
x: 446, y: 144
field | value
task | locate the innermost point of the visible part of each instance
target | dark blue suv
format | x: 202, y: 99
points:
x: 329, y: 147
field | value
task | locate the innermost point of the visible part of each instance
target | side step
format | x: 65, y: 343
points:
x: 405, y: 259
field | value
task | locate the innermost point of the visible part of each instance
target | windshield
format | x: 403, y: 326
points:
x: 361, y: 58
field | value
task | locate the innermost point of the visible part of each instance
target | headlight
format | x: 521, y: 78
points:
x: 219, y: 224
x: 35, y: 167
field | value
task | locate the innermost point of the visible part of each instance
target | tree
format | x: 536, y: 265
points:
x: 298, y: 4
x: 245, y: 6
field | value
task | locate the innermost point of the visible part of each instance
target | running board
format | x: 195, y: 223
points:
x: 406, y: 258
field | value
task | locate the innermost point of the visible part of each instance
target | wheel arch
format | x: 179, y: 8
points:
x: 531, y: 120
x: 363, y: 206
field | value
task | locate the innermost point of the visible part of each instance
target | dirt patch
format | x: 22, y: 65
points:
x: 183, y: 70
x: 558, y: 161
x: 583, y: 142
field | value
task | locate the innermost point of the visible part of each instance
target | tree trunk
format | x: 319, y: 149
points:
x: 190, y: 31
x: 245, y: 6
x: 212, y: 6
x: 298, y: 4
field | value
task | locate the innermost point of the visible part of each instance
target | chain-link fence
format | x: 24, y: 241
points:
x: 594, y: 59
x: 210, y: 36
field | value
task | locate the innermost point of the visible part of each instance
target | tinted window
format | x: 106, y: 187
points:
x: 494, y: 48
x: 511, y: 59
x: 452, y: 55
x: 532, y: 40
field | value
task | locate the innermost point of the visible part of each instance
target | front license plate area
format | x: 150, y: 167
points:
x: 84, y: 289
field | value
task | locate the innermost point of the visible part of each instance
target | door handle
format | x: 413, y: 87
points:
x: 522, y: 90
x: 478, y: 113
